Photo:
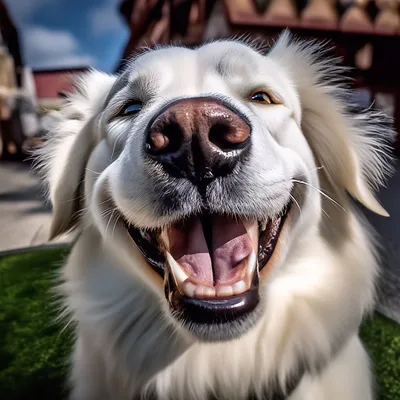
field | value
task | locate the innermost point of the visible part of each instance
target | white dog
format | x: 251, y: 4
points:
x: 218, y: 253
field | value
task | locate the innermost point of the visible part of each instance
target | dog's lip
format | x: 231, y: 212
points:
x: 215, y: 311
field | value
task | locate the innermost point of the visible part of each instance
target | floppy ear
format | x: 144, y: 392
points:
x: 352, y: 147
x: 72, y: 136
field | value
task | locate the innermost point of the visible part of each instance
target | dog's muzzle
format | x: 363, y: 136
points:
x: 210, y: 262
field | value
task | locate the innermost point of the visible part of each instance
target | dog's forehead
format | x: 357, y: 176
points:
x: 222, y: 57
x: 214, y: 55
x: 210, y: 54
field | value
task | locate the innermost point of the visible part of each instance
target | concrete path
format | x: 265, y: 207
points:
x: 24, y: 215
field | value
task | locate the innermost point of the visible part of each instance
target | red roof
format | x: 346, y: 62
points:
x: 49, y: 84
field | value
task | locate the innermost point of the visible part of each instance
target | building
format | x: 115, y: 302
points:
x: 163, y: 21
x: 52, y: 85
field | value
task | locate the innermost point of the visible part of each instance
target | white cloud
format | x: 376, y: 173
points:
x: 23, y: 9
x: 67, y: 61
x: 48, y: 48
x: 106, y: 18
x: 48, y: 41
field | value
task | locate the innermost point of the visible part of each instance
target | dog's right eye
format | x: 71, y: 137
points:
x: 132, y: 108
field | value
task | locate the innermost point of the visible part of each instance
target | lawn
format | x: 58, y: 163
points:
x: 34, y: 349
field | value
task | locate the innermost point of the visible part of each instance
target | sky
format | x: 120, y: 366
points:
x: 69, y: 33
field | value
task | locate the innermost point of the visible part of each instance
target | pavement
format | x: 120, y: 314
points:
x: 25, y: 215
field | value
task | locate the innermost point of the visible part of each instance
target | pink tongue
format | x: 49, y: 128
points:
x: 189, y: 248
x: 230, y: 245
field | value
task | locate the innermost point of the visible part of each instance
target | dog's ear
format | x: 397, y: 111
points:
x: 72, y: 135
x: 353, y: 148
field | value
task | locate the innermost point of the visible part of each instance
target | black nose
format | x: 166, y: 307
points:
x: 198, y: 138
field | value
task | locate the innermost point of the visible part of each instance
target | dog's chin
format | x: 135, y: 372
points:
x: 213, y: 267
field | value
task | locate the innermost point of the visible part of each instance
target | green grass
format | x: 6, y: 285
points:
x: 33, y: 351
x: 382, y: 338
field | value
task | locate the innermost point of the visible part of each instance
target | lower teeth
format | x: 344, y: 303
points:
x: 191, y: 289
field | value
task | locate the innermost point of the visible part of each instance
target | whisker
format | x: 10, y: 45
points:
x: 320, y: 192
x: 109, y: 220
x: 115, y: 223
x: 93, y: 172
x: 297, y: 204
x: 311, y: 170
x: 303, y: 174
x: 326, y: 214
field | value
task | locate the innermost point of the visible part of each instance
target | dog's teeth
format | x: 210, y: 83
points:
x: 252, y: 230
x: 199, y: 291
x: 239, y: 287
x: 224, y: 291
x: 252, y: 263
x: 209, y: 291
x: 189, y: 289
x: 194, y: 290
x: 178, y: 273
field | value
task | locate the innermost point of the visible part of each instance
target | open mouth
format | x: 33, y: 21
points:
x: 211, y: 263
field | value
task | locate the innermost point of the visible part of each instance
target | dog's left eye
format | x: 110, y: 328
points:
x: 132, y: 108
x: 261, y: 97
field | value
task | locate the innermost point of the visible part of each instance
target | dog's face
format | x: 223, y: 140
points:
x: 207, y: 147
x: 205, y: 159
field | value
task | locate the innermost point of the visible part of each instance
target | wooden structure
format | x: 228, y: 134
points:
x: 162, y: 21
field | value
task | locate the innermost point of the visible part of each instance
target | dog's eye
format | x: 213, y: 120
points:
x: 261, y: 97
x: 131, y: 108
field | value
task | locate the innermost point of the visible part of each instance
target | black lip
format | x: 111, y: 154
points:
x: 148, y: 248
x: 215, y: 311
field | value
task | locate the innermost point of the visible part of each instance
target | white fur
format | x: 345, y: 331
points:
x: 323, y: 283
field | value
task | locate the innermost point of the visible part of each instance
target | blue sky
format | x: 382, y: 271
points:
x: 69, y: 33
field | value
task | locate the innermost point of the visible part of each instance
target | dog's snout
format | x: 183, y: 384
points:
x: 198, y: 138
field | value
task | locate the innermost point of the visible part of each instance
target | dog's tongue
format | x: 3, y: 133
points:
x: 215, y: 261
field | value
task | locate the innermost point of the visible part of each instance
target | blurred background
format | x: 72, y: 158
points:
x: 44, y: 44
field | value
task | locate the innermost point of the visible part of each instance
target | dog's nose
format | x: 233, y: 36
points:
x: 198, y: 138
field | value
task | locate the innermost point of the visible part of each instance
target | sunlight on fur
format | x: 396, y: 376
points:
x: 183, y: 149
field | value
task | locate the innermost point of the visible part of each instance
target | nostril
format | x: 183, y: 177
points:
x: 164, y: 139
x: 158, y: 141
x: 228, y: 136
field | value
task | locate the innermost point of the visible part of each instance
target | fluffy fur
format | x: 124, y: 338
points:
x: 311, y: 147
